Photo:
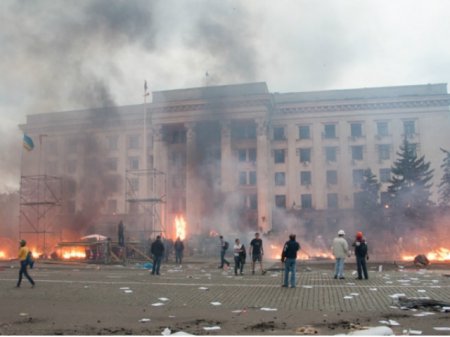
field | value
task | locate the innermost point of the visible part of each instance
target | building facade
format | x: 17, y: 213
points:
x: 234, y: 155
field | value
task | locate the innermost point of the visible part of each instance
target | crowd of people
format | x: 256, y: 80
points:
x: 160, y: 250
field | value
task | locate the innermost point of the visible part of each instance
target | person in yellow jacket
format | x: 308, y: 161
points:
x: 23, y: 260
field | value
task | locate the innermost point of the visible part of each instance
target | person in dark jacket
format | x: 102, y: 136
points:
x: 121, y: 234
x: 361, y: 254
x: 157, y: 251
x: 179, y: 248
x: 289, y: 257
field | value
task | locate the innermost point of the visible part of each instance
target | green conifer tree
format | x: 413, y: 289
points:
x: 444, y: 186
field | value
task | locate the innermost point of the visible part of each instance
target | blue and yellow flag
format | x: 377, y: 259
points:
x: 28, y: 142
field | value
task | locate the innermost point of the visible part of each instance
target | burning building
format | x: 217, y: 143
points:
x: 230, y: 157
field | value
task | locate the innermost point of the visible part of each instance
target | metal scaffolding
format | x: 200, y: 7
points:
x: 146, y: 205
x: 40, y: 201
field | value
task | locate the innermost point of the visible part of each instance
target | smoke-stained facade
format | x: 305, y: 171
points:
x: 233, y: 156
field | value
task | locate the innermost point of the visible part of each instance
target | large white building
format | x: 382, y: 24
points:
x: 232, y: 155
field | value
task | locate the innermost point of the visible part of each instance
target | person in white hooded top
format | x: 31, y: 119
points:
x: 340, y: 252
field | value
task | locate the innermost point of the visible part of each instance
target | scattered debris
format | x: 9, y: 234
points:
x: 373, y: 289
x: 348, y: 297
x: 306, y: 330
x: 397, y: 295
x: 163, y: 299
x: 417, y: 303
x: 128, y: 291
x: 423, y: 314
x: 157, y: 304
x: 269, y: 309
x: 421, y: 261
x: 390, y: 322
x: 203, y: 288
x: 216, y: 303
x: 412, y: 332
x: 209, y: 328
x: 307, y: 287
x: 374, y: 331
x: 144, y: 320
x: 23, y: 314
x: 442, y: 328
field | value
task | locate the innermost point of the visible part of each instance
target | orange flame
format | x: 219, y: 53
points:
x: 74, y: 253
x: 439, y: 254
x: 2, y: 255
x: 180, y: 227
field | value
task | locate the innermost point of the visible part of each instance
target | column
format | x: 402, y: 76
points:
x: 226, y: 159
x: 262, y: 176
x: 159, y: 184
x: 292, y: 173
x: 192, y: 192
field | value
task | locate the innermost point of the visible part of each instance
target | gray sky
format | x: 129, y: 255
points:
x: 63, y: 55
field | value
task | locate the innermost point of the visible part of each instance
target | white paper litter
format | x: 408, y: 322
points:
x: 23, y: 314
x: 354, y: 272
x: 166, y: 332
x: 445, y: 309
x: 144, y: 320
x: 157, y: 304
x: 216, y: 303
x: 390, y: 322
x: 85, y: 287
x: 397, y: 295
x: 373, y: 289
x: 181, y: 333
x: 442, y: 328
x: 414, y: 332
x: 354, y: 294
x: 164, y: 299
x: 350, y: 283
x: 203, y: 288
x: 348, y: 297
x: 269, y: 309
x: 128, y: 291
x: 307, y: 287
x: 124, y: 288
x: 389, y: 282
x: 423, y: 314
x: 421, y: 291
x: 375, y: 331
x: 209, y: 328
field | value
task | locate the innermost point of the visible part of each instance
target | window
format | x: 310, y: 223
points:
x: 306, y: 200
x: 133, y: 163
x: 252, y: 178
x: 244, y: 131
x: 112, y: 143
x: 304, y: 132
x: 385, y: 175
x: 279, y: 156
x: 112, y: 206
x: 134, y: 185
x: 384, y: 151
x: 330, y: 153
x: 409, y: 128
x: 382, y: 129
x: 332, y: 177
x: 305, y: 178
x: 133, y: 142
x: 178, y: 137
x: 330, y: 131
x: 242, y: 178
x: 280, y: 179
x: 305, y: 155
x: 332, y: 200
x: 280, y: 201
x: 358, y: 176
x: 252, y: 154
x: 253, y: 198
x: 278, y: 133
x: 356, y: 129
x: 111, y: 164
x: 242, y: 155
x: 357, y: 152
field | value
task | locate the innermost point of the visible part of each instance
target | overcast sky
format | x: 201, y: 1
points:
x: 63, y: 55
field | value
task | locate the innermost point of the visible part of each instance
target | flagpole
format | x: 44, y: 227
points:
x: 145, y: 154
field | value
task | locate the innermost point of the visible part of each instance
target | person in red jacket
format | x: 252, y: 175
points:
x: 361, y: 254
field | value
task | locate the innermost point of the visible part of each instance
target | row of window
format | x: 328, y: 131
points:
x: 356, y: 130
x: 357, y: 153
x: 331, y: 177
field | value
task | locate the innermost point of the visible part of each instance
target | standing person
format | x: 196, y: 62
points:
x: 179, y: 248
x: 289, y: 257
x: 223, y: 249
x: 361, y: 254
x: 257, y: 252
x: 239, y: 257
x: 121, y: 234
x: 340, y: 252
x: 24, y: 260
x: 157, y: 251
